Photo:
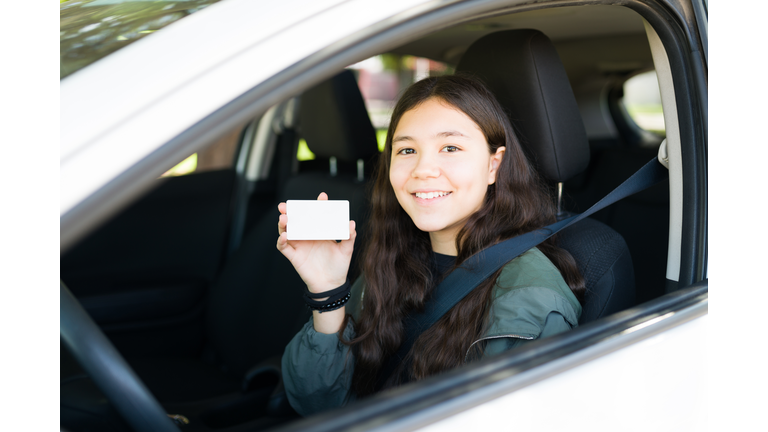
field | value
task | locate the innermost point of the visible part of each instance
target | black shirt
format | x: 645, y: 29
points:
x: 440, y: 266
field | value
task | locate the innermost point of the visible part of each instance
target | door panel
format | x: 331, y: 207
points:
x: 143, y: 275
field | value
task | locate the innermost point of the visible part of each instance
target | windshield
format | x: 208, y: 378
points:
x: 92, y: 29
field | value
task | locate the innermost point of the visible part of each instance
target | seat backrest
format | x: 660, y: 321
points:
x: 256, y: 305
x: 334, y: 122
x: 523, y: 70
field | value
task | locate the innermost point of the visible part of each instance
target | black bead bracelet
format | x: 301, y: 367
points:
x: 337, y: 298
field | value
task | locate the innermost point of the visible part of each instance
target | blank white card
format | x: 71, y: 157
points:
x: 317, y: 220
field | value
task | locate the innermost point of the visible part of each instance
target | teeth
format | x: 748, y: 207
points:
x: 430, y: 195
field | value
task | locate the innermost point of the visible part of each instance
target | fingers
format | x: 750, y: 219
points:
x: 282, y: 223
x: 282, y: 207
x: 282, y: 245
x: 282, y: 220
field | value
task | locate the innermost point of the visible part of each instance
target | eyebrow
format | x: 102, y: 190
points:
x: 450, y: 133
x: 444, y: 134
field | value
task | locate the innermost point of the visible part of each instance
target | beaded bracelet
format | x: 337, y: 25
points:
x: 336, y: 298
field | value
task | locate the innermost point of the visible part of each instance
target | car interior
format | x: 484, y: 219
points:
x: 188, y: 285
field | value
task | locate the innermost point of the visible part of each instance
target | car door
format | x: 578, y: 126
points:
x: 143, y: 275
x: 472, y: 388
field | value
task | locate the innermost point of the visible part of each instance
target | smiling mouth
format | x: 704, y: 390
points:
x: 430, y: 195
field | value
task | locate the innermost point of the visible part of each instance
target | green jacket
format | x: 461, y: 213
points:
x: 530, y: 301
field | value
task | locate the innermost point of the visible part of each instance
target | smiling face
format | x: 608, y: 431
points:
x: 440, y: 170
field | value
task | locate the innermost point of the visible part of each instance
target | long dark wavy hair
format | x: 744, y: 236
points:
x: 397, y: 256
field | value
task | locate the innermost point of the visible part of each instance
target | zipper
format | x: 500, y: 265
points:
x: 513, y: 336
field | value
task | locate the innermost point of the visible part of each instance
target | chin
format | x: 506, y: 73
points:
x: 429, y: 226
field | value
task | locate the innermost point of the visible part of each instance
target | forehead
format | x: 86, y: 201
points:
x: 438, y: 119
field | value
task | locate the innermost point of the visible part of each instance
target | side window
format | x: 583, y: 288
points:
x: 219, y: 155
x: 382, y: 79
x: 643, y: 102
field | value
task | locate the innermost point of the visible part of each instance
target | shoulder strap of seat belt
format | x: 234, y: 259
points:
x: 485, y: 263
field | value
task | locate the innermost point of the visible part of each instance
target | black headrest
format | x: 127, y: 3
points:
x: 523, y: 70
x: 334, y: 121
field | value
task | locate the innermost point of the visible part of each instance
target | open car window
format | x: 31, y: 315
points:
x: 191, y: 258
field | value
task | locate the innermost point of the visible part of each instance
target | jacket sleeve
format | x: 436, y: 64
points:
x: 317, y: 370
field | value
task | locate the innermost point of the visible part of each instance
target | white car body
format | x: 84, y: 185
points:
x: 158, y: 88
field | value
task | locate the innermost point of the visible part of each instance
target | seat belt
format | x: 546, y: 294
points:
x: 480, y: 266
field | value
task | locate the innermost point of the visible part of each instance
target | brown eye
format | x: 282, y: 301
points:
x: 406, y: 151
x: 450, y: 149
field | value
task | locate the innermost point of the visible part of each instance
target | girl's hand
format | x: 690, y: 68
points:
x: 322, y: 264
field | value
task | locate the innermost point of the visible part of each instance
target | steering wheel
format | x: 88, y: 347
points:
x: 108, y: 370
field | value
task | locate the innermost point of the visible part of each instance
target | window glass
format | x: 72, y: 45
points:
x: 219, y: 155
x: 643, y: 102
x: 382, y: 79
x: 304, y: 153
x: 187, y: 166
x: 92, y: 29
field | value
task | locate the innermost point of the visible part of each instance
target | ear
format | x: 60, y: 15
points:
x: 494, y: 164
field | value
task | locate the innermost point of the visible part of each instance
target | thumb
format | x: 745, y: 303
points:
x: 322, y: 197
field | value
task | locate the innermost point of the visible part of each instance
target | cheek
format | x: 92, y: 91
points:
x: 398, y: 175
x: 469, y: 174
x: 398, y: 182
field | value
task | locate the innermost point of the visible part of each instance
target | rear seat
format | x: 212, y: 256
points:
x: 255, y: 307
x: 334, y: 122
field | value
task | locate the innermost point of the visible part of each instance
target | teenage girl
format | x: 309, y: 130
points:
x: 451, y: 181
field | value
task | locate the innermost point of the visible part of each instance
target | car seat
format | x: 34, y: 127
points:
x: 523, y: 70
x: 255, y: 306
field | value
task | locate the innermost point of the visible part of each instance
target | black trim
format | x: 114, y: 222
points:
x: 396, y: 404
x: 700, y: 76
x: 702, y: 19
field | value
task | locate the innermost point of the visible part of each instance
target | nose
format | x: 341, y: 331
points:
x: 426, y: 167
